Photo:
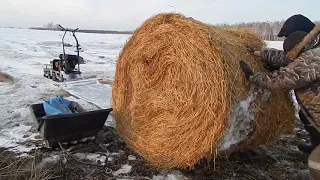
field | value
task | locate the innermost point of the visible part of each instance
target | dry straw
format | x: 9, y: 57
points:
x: 5, y: 77
x: 176, y: 80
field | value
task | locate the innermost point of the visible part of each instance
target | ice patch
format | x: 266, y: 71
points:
x: 96, y: 93
x: 12, y: 138
x: 93, y: 92
x: 125, y: 169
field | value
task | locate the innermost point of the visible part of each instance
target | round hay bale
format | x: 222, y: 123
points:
x: 179, y: 95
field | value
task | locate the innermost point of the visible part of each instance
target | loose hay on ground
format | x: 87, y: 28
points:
x: 175, y: 86
x: 13, y: 167
x: 5, y: 77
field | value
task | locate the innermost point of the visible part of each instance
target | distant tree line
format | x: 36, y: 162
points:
x: 55, y: 27
x: 268, y: 30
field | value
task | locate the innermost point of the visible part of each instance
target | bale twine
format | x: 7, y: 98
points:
x: 179, y: 95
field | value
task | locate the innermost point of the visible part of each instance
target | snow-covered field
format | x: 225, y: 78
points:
x: 275, y: 44
x: 22, y: 55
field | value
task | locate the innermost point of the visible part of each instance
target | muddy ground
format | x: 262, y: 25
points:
x: 281, y: 160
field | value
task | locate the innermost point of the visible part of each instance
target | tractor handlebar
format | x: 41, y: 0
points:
x: 64, y: 29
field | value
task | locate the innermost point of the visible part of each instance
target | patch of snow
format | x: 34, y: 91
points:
x: 116, y: 154
x: 84, y: 140
x: 125, y: 169
x: 295, y: 103
x: 12, y: 138
x: 275, y: 44
x: 131, y: 158
x: 74, y: 142
x: 64, y: 161
x: 110, y: 159
x: 48, y: 161
x: 92, y: 138
x: 24, y: 155
x: 111, y: 122
x: 171, y: 175
x: 239, y: 121
x: 97, y: 158
x: 241, y: 117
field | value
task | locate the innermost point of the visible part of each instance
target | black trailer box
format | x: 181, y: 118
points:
x: 68, y: 127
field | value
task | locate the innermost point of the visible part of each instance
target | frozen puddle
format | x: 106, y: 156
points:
x: 12, y: 138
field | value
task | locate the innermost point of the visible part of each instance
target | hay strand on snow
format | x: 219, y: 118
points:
x: 176, y: 82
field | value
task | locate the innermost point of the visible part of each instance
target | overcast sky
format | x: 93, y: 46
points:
x: 128, y: 14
